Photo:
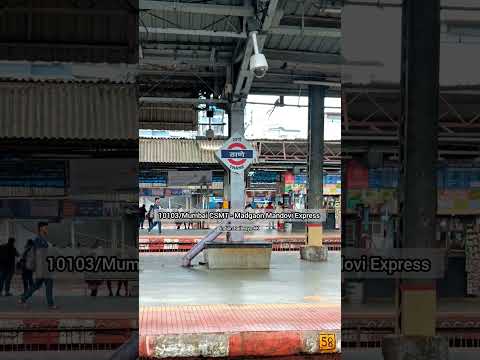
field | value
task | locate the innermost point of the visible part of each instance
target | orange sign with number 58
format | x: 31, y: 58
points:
x: 328, y: 342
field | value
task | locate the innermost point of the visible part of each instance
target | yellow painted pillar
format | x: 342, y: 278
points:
x: 419, y: 308
x: 314, y: 235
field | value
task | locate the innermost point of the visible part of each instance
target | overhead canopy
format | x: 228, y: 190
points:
x: 70, y: 31
x: 189, y: 48
x: 189, y: 151
x: 89, y: 111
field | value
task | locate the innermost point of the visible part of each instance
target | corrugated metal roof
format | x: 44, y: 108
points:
x: 168, y: 118
x: 304, y: 43
x: 192, y: 151
x: 169, y: 19
x: 179, y: 151
x: 68, y: 111
x: 62, y: 30
x: 308, y: 9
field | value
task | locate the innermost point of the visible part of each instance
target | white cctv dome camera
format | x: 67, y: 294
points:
x: 258, y: 62
x: 210, y: 134
x: 258, y: 65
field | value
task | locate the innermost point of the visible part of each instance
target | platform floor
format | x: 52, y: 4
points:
x: 289, y: 280
x: 200, y: 319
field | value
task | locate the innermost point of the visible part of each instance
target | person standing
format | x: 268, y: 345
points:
x: 269, y: 208
x: 7, y: 265
x: 150, y: 215
x: 178, y: 224
x: 280, y: 223
x: 154, y: 223
x: 27, y: 264
x: 43, y: 277
x: 142, y: 211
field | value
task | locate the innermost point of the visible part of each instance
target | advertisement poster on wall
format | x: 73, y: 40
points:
x: 186, y: 178
x: 93, y: 176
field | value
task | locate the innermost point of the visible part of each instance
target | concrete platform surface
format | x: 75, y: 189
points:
x: 289, y: 280
x: 201, y: 319
x: 236, y: 330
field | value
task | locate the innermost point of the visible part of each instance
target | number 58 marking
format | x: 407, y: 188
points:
x: 328, y: 342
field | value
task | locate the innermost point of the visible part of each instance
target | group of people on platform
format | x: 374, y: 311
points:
x: 35, y: 275
x: 26, y: 262
x: 280, y: 226
x: 149, y: 215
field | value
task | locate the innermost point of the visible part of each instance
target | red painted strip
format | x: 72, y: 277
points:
x: 143, y: 350
x: 120, y: 334
x: 47, y: 333
x: 314, y: 225
x: 418, y: 287
x: 265, y: 344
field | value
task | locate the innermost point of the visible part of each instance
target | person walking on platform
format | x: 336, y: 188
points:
x: 269, y: 208
x: 142, y: 211
x: 8, y: 253
x: 27, y: 265
x: 154, y: 223
x: 43, y: 277
x: 280, y: 223
x: 150, y: 215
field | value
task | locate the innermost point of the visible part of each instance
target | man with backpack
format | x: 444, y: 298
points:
x: 27, y: 265
x: 41, y: 245
x: 154, y: 223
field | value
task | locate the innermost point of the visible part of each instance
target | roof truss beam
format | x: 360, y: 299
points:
x: 175, y: 6
x: 306, y: 31
x: 192, y: 32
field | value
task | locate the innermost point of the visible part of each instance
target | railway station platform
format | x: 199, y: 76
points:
x: 183, y: 240
x: 196, y: 312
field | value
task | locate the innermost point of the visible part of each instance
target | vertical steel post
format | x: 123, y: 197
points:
x: 418, y: 142
x: 237, y: 179
x: 316, y: 116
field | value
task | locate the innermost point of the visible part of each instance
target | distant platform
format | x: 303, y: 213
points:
x: 184, y: 240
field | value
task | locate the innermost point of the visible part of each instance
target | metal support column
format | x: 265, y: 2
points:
x: 316, y: 125
x: 226, y: 190
x: 237, y: 180
x: 315, y: 251
x: 237, y: 118
x: 316, y: 116
x: 419, y: 141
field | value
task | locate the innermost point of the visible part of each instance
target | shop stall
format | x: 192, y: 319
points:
x: 372, y: 220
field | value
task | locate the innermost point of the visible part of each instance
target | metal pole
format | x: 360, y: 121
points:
x: 316, y: 114
x: 237, y: 179
x: 419, y: 143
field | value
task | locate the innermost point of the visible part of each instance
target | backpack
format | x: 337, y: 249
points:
x: 27, y: 261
